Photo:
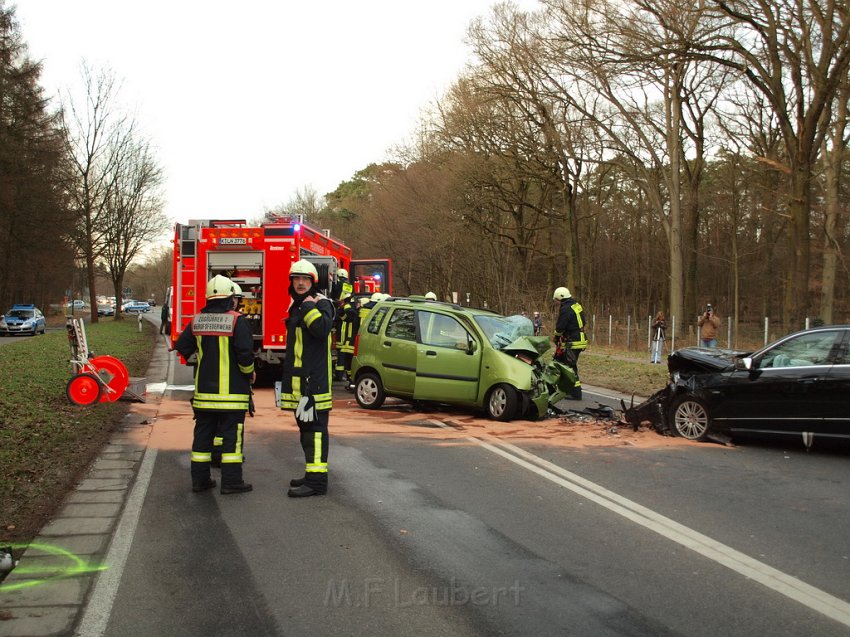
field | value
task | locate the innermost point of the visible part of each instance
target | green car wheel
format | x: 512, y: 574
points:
x: 369, y: 391
x: 502, y: 403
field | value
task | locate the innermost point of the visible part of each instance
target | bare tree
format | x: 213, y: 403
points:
x: 94, y: 129
x: 134, y: 216
x: 796, y: 53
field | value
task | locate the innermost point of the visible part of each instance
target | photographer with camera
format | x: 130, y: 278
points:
x: 709, y: 324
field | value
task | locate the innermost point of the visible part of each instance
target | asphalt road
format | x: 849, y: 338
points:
x: 441, y: 523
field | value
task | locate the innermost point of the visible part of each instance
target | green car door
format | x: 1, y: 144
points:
x: 448, y: 360
x: 397, y: 352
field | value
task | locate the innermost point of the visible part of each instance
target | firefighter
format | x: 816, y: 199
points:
x: 218, y: 441
x: 350, y: 323
x: 570, y: 338
x: 368, y: 305
x: 340, y: 295
x: 306, y: 383
x: 222, y: 340
x: 342, y: 288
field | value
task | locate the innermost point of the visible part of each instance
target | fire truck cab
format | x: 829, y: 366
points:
x: 258, y: 258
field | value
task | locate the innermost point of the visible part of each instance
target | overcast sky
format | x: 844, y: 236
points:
x: 249, y: 102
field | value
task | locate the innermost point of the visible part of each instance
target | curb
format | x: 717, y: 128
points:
x: 46, y: 594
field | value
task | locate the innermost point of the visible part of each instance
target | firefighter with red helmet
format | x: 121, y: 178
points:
x: 570, y: 337
x: 306, y: 382
x: 222, y: 340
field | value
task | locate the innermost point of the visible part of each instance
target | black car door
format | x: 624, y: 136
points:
x: 836, y: 391
x: 787, y: 390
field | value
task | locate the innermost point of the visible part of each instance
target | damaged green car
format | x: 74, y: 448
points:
x: 423, y: 350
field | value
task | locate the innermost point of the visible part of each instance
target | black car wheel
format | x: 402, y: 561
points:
x: 502, y: 403
x: 689, y: 418
x: 369, y: 391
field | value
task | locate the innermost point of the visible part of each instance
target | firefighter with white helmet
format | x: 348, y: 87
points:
x: 306, y: 382
x: 345, y: 322
x: 222, y: 340
x: 570, y: 337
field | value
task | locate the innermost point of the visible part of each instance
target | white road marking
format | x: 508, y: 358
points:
x: 776, y: 580
x: 96, y: 615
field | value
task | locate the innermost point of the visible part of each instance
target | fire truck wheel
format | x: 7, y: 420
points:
x: 369, y: 391
x: 83, y: 389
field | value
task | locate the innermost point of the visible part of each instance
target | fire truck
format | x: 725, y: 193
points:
x: 259, y: 259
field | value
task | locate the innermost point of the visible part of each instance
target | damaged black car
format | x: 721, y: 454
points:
x: 798, y: 385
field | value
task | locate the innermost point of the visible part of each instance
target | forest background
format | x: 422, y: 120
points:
x: 651, y: 156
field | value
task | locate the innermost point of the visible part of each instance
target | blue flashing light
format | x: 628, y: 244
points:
x: 296, y: 227
x: 378, y: 276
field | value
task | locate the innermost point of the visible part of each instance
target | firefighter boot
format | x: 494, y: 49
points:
x: 297, y: 482
x: 203, y: 486
x: 304, y: 491
x: 240, y: 487
x: 231, y: 479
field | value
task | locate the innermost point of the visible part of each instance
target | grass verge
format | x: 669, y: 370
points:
x: 46, y: 443
x: 626, y: 372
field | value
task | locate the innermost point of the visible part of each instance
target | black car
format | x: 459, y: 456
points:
x: 798, y: 385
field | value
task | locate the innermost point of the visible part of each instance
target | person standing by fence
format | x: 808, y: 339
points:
x: 658, y: 328
x: 709, y: 325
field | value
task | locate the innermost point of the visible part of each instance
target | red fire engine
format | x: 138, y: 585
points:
x: 258, y: 259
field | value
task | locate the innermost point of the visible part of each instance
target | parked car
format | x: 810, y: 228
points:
x: 135, y: 307
x: 105, y: 310
x: 423, y: 350
x: 77, y: 304
x: 23, y: 319
x: 798, y: 385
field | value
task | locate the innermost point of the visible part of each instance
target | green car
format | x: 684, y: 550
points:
x: 419, y: 349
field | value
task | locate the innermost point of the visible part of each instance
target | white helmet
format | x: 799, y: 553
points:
x: 561, y: 294
x: 377, y: 296
x: 303, y: 267
x: 431, y: 296
x: 219, y: 287
x: 342, y: 273
x: 237, y: 290
x: 384, y: 296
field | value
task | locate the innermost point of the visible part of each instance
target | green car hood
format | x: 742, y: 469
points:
x: 552, y: 381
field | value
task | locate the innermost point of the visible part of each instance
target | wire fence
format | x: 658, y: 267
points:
x: 637, y: 335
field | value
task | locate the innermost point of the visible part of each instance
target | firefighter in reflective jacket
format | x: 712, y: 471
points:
x: 340, y: 295
x: 349, y: 324
x: 222, y: 340
x: 305, y: 386
x: 570, y: 338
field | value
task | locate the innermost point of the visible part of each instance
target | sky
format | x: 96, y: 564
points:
x: 248, y: 103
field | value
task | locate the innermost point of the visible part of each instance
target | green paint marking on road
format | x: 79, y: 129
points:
x: 41, y: 575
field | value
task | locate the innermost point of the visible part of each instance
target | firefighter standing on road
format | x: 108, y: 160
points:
x: 349, y: 324
x: 570, y: 339
x: 223, y: 377
x: 306, y: 382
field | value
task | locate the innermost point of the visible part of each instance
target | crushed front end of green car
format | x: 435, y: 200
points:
x: 551, y: 381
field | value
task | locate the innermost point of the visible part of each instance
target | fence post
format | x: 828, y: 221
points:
x: 766, y: 330
x: 649, y: 333
x: 610, y: 327
x: 628, y: 332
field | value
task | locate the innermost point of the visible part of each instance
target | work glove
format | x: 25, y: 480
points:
x: 306, y: 410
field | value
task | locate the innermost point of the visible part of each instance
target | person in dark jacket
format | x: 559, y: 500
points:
x: 570, y: 337
x: 222, y: 340
x: 306, y: 383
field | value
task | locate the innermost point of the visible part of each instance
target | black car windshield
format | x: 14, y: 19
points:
x: 501, y: 331
x: 21, y: 314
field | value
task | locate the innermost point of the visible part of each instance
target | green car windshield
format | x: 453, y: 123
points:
x: 501, y: 331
